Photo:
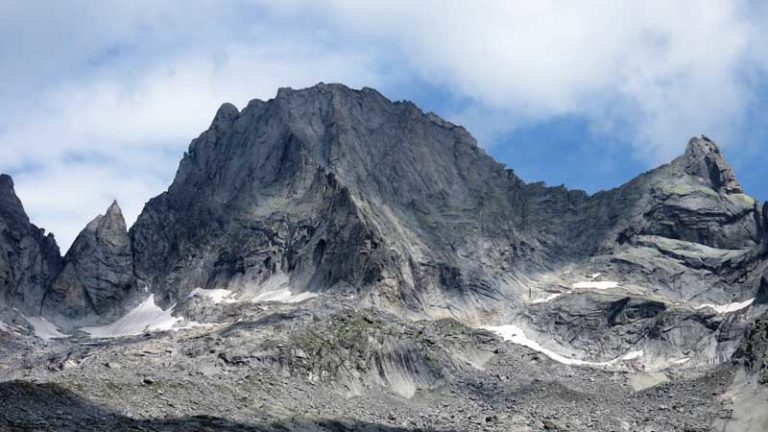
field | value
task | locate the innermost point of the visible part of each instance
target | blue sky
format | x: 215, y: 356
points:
x: 99, y: 100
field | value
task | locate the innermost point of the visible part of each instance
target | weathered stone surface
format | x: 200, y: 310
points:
x: 338, y: 188
x: 29, y: 259
x: 344, y: 189
x: 703, y: 159
x: 98, y: 271
x: 369, y: 202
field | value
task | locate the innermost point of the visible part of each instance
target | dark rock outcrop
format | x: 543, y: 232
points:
x: 753, y: 352
x: 97, y: 276
x: 762, y: 291
x: 764, y: 214
x: 29, y: 259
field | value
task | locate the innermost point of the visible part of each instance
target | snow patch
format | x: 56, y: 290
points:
x: 217, y: 295
x: 514, y: 334
x: 681, y: 361
x: 145, y: 317
x: 594, y: 276
x: 283, y: 295
x: 600, y: 285
x: 44, y: 329
x: 278, y: 289
x: 728, y: 308
x: 546, y: 299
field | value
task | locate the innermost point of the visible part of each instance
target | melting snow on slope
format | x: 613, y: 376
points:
x: 44, y: 329
x: 283, y: 295
x: 546, y: 299
x: 600, y: 285
x: 216, y: 295
x: 145, y: 317
x: 732, y: 307
x: 277, y: 289
x: 515, y: 335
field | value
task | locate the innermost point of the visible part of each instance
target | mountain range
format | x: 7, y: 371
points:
x: 334, y: 193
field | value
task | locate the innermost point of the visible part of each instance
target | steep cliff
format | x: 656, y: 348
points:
x: 97, y: 275
x: 338, y: 189
x: 29, y: 259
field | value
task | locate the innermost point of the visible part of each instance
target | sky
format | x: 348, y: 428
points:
x: 99, y: 100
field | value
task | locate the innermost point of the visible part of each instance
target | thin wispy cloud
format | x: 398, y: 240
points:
x: 100, y: 100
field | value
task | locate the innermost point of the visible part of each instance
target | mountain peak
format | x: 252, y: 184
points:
x: 703, y: 159
x: 97, y: 273
x: 114, y: 210
x: 6, y: 182
x: 700, y: 146
x: 226, y: 114
x: 10, y: 204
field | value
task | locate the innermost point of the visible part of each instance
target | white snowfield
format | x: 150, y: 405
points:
x: 515, y: 335
x: 283, y: 295
x: 593, y: 284
x: 44, y: 329
x: 217, y: 295
x: 145, y: 317
x: 728, y: 308
x: 546, y: 299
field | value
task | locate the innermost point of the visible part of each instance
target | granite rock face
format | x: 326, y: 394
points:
x: 29, y: 259
x: 334, y: 189
x: 97, y: 275
x: 345, y: 190
x: 339, y: 189
x: 556, y: 301
x: 703, y: 159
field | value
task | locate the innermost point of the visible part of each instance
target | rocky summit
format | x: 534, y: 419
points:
x: 331, y: 260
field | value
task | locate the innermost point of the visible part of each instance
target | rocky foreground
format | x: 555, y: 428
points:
x: 324, y: 365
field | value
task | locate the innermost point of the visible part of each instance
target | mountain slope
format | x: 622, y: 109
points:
x: 409, y: 186
x: 97, y: 276
x: 29, y: 259
x: 345, y: 190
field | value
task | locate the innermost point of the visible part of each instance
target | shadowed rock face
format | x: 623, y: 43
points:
x: 52, y: 407
x: 98, y: 271
x: 29, y: 259
x: 762, y: 292
x: 753, y: 351
x: 765, y: 226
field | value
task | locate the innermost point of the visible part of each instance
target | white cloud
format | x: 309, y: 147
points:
x: 120, y: 135
x: 669, y: 69
x: 103, y: 98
